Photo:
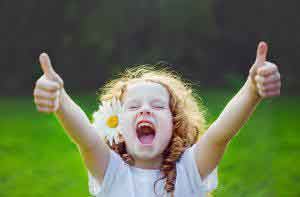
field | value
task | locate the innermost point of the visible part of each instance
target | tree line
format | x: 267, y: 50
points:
x: 212, y: 42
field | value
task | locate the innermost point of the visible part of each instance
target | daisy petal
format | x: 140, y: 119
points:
x: 101, y: 117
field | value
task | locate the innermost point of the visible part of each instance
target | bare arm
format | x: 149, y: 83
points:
x: 77, y: 125
x: 210, y: 148
x: 50, y: 96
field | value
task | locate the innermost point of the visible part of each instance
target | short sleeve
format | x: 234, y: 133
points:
x: 94, y: 186
x: 209, y: 183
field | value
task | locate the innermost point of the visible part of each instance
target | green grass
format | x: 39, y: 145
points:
x: 38, y: 159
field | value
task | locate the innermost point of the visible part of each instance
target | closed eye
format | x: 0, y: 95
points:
x: 133, y: 107
x: 159, y: 107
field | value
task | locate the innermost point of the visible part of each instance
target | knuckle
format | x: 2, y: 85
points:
x: 34, y: 93
x: 273, y: 66
x: 258, y: 86
x: 261, y: 87
x: 261, y: 93
x: 265, y: 88
x: 262, y: 80
x: 39, y: 80
x: 257, y: 78
x: 54, y: 87
x: 268, y: 63
x: 54, y: 84
x: 52, y: 96
x: 251, y: 71
x: 37, y: 92
x: 51, y: 104
x: 37, y: 84
x: 36, y: 96
x: 47, y: 103
x: 36, y: 101
x: 49, y: 96
x: 259, y: 70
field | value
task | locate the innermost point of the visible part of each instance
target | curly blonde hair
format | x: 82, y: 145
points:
x: 188, y: 114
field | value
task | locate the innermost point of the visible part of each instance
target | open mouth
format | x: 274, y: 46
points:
x: 145, y: 132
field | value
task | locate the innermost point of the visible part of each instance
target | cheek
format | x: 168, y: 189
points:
x: 167, y: 120
x: 167, y: 126
x: 164, y: 138
x: 126, y: 119
x: 127, y: 123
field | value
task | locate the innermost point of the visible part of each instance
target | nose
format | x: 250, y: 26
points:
x: 145, y: 112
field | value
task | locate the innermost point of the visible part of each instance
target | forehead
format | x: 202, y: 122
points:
x: 146, y: 89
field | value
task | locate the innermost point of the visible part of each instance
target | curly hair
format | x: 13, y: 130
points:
x: 187, y: 112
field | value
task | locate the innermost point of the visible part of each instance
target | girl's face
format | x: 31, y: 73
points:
x: 147, y: 125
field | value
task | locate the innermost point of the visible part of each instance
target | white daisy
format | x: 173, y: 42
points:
x: 107, y: 120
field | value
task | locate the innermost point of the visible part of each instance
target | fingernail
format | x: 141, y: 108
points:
x: 263, y: 48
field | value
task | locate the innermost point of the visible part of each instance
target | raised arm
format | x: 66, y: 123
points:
x: 263, y: 82
x: 51, y: 97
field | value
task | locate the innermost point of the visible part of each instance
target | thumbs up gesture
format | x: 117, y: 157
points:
x: 48, y: 87
x: 264, y: 75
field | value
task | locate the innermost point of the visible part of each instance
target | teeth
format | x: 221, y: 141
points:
x: 145, y: 124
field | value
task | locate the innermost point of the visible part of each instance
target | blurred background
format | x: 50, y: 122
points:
x: 210, y: 42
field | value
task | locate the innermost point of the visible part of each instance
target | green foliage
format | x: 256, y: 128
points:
x: 38, y: 159
x: 87, y: 40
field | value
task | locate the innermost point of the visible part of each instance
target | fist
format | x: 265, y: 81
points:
x: 264, y: 75
x: 48, y: 87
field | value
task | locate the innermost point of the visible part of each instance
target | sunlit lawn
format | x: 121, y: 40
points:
x: 38, y: 159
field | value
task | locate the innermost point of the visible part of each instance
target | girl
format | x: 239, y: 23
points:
x: 150, y: 124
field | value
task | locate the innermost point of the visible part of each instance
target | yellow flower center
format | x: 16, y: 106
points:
x: 112, y: 121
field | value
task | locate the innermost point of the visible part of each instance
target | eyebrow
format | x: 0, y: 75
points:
x: 159, y: 100
x: 131, y: 100
x: 155, y: 99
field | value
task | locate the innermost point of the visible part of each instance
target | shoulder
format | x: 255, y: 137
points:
x: 187, y: 170
x: 115, y: 166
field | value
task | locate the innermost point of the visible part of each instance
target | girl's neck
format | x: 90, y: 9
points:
x: 154, y: 163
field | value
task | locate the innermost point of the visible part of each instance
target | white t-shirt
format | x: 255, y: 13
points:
x: 121, y: 179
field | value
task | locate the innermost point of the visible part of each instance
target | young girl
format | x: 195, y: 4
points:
x: 152, y: 129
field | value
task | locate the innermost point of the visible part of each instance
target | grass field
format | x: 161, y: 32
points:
x: 38, y: 159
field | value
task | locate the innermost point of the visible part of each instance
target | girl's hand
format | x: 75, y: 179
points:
x: 48, y: 87
x: 264, y: 76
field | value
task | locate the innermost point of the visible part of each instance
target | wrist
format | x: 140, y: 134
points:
x: 251, y: 90
x: 61, y: 100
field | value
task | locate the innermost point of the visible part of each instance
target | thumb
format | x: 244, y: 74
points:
x: 48, y: 69
x: 46, y: 66
x: 261, y: 56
